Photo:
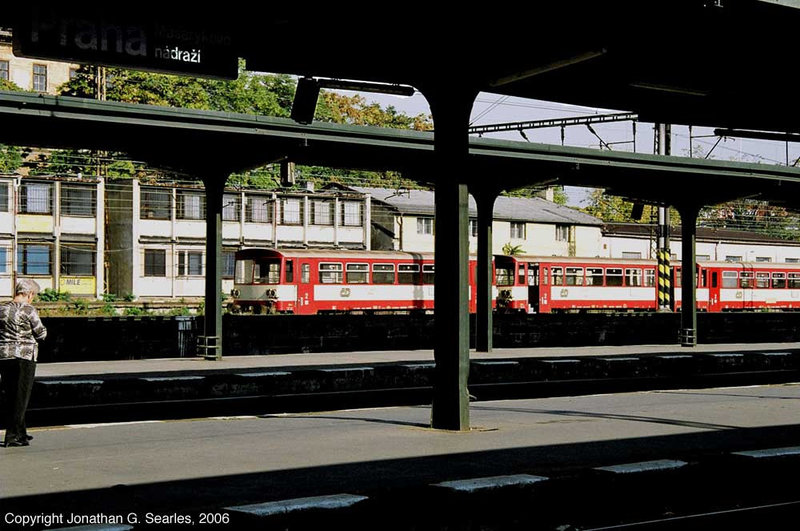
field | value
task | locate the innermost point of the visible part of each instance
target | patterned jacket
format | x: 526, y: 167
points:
x: 20, y: 328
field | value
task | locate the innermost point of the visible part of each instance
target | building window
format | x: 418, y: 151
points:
x: 763, y: 259
x: 40, y: 78
x: 733, y: 258
x: 4, y: 72
x: 4, y: 254
x: 631, y: 254
x: 793, y: 260
x: 291, y: 212
x: 231, y: 206
x: 351, y: 214
x: 702, y: 258
x: 155, y: 263
x: 322, y: 213
x: 228, y: 264
x: 155, y: 204
x: 259, y: 209
x: 473, y: 228
x: 78, y: 200
x: 517, y: 230
x: 33, y: 259
x: 191, y: 205
x: 78, y: 260
x: 562, y: 233
x: 3, y: 197
x: 190, y: 263
x: 36, y: 198
x: 424, y: 225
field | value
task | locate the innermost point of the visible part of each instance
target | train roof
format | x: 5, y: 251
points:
x: 336, y: 254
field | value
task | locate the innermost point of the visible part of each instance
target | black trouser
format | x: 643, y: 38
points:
x: 16, y: 382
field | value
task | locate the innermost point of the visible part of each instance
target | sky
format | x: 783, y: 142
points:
x: 493, y: 108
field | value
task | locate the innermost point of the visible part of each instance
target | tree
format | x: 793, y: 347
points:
x: 10, y: 156
x: 615, y: 209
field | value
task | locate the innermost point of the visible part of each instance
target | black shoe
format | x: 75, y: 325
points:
x: 29, y: 437
x: 10, y: 444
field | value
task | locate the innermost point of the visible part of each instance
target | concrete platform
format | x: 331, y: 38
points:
x: 188, y: 387
x: 388, y: 461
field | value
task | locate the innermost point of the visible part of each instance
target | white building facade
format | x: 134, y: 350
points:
x: 404, y: 221
x: 157, y: 232
x: 52, y: 231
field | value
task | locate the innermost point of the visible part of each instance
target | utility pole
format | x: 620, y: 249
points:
x: 662, y: 141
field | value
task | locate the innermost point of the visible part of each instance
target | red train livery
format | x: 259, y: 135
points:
x: 314, y: 281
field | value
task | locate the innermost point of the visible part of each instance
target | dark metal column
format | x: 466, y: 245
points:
x: 211, y: 342
x: 688, y: 275
x: 450, y: 109
x: 484, y: 326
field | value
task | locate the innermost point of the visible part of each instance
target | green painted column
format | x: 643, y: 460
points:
x: 484, y: 326
x: 688, y: 334
x: 451, y: 109
x: 212, y: 335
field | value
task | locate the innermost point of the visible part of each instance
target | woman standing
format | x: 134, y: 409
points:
x: 20, y: 329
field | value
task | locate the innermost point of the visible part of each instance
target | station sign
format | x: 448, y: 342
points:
x: 142, y: 43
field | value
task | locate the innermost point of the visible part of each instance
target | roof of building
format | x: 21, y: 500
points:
x: 531, y: 209
x: 645, y: 230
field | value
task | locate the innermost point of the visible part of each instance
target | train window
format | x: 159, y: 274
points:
x: 521, y: 275
x: 574, y: 276
x: 729, y: 279
x: 746, y: 279
x: 794, y: 280
x: 504, y: 276
x: 305, y: 273
x: 714, y: 279
x: 428, y: 273
x: 289, y: 271
x: 633, y: 277
x: 408, y: 274
x: 594, y: 276
x: 558, y: 276
x: 330, y: 273
x: 650, y: 278
x: 383, y: 274
x: 613, y: 276
x: 779, y: 280
x: 677, y: 280
x: 762, y: 280
x: 267, y: 272
x: 357, y: 273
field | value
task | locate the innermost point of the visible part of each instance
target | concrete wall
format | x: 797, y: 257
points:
x: 75, y: 338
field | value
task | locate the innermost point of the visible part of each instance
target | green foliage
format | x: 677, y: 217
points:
x: 108, y: 309
x: 134, y: 311
x: 182, y: 311
x: 559, y: 195
x: 615, y: 209
x: 512, y: 250
x: 10, y: 86
x: 354, y: 110
x: 51, y: 295
x: 129, y: 297
x: 110, y: 297
x: 79, y: 307
x: 10, y: 158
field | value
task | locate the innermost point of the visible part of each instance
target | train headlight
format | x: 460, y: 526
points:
x: 235, y: 293
x: 271, y: 294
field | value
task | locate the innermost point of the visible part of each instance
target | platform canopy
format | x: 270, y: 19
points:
x: 203, y: 143
x: 711, y: 62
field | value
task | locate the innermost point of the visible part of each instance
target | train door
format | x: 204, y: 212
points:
x: 305, y: 287
x: 533, y: 287
x: 747, y: 282
x: 713, y: 282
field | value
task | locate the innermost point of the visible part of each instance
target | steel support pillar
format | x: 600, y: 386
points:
x: 210, y: 344
x: 450, y: 110
x: 688, y: 334
x: 484, y: 326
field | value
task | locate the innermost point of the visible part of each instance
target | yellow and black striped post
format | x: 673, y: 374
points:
x: 664, y: 281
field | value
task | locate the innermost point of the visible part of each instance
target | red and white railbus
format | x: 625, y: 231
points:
x: 314, y: 281
x: 537, y: 284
